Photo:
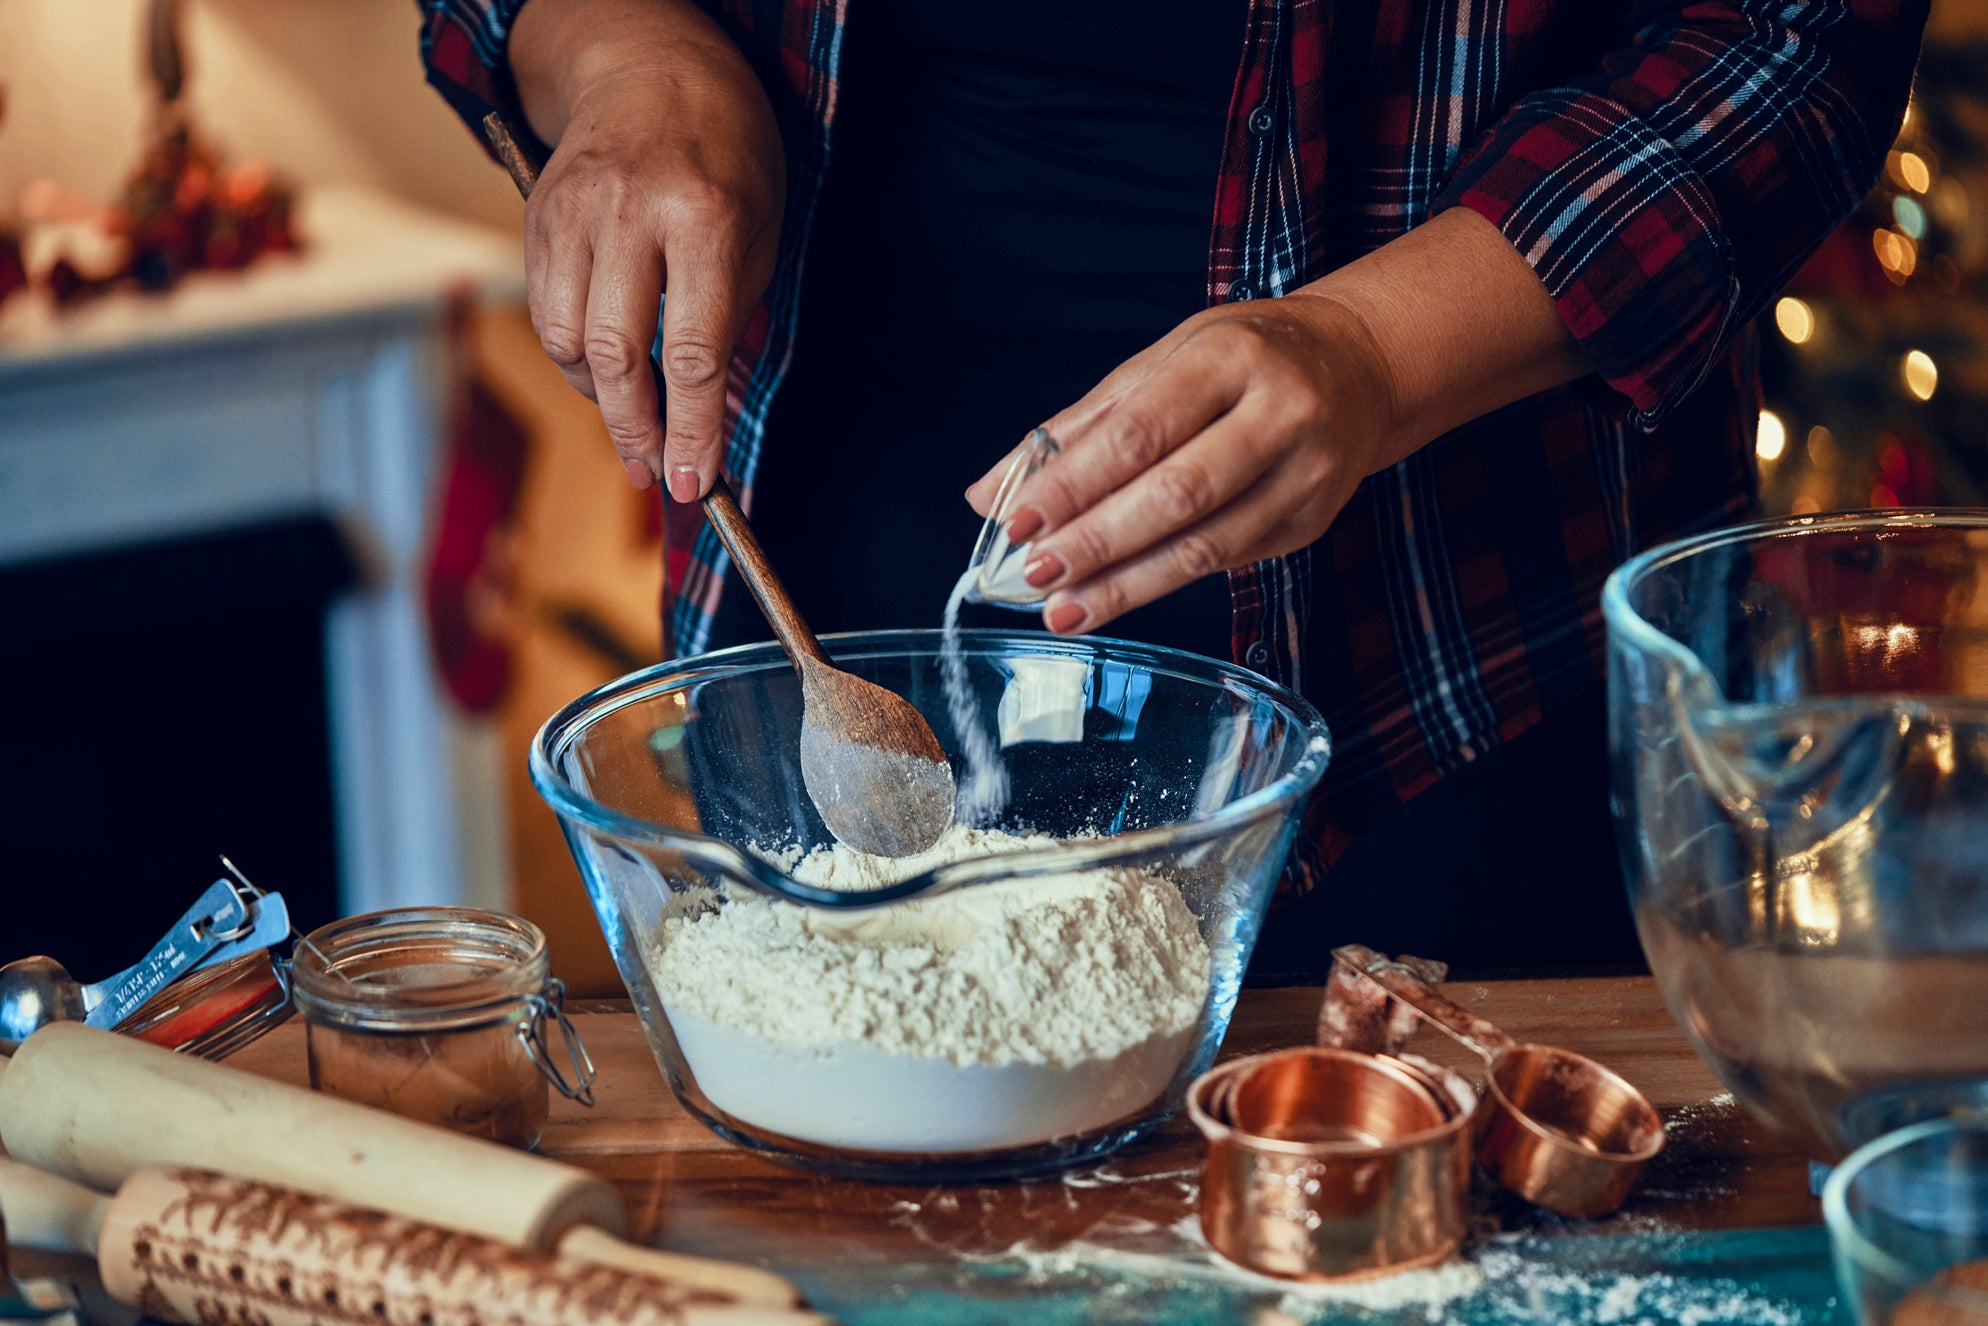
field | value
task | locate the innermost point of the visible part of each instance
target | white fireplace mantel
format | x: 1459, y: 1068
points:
x: 306, y: 384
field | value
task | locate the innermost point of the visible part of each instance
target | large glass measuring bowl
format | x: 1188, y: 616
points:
x: 1799, y: 737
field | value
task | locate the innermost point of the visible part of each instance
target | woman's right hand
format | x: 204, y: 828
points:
x: 667, y: 176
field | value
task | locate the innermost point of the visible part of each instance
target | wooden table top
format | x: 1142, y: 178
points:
x: 691, y: 1191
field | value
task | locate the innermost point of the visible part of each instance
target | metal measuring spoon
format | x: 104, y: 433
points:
x: 869, y: 760
x: 1559, y: 1129
x: 222, y: 924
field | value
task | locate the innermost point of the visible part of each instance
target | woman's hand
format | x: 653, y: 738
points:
x: 667, y: 176
x: 1241, y: 434
x: 1236, y: 438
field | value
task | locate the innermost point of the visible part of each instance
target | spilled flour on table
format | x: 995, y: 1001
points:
x: 1694, y: 1168
x: 1531, y: 1288
x: 1495, y: 1284
x: 1132, y: 1270
x: 1687, y: 1118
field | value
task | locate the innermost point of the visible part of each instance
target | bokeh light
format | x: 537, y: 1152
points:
x: 1795, y: 319
x: 1772, y: 438
x: 1897, y: 254
x: 1913, y: 170
x: 1922, y: 375
x: 1910, y: 216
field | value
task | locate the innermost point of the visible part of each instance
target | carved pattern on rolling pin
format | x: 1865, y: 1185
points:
x: 194, y: 1246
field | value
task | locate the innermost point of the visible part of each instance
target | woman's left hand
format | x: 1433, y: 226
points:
x: 1236, y: 438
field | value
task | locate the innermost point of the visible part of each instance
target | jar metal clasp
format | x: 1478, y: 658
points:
x: 549, y: 1004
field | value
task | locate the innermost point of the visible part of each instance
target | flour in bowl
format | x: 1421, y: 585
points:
x: 997, y: 1015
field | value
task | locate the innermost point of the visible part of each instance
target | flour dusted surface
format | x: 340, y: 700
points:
x: 997, y: 1015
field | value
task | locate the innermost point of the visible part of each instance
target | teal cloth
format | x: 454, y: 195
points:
x: 1767, y: 1277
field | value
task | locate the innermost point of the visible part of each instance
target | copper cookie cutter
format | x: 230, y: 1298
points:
x: 1329, y: 1164
x: 1556, y: 1128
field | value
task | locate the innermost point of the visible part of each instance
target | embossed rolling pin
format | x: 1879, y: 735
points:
x: 97, y: 1107
x: 195, y: 1246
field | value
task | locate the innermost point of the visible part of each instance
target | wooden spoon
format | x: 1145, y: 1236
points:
x: 868, y: 759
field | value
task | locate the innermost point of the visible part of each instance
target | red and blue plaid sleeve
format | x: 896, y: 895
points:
x: 1666, y: 197
x: 464, y: 49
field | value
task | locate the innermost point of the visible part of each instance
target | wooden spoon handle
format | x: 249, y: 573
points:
x: 49, y: 1213
x: 722, y: 510
x: 519, y: 156
x: 518, y: 153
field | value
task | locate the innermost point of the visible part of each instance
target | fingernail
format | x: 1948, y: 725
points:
x: 1025, y: 526
x: 1066, y: 618
x: 1044, y: 571
x: 683, y: 484
x: 638, y: 474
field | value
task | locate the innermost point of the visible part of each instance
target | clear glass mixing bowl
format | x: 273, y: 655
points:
x: 1799, y: 737
x: 1137, y: 756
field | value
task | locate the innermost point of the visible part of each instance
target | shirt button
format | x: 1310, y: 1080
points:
x: 1262, y: 120
x: 1257, y: 656
x: 1241, y: 290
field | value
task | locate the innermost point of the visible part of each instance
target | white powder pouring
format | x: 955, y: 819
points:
x: 998, y: 1015
x: 983, y: 784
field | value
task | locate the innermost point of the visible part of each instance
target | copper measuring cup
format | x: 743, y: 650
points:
x: 1556, y: 1128
x: 1329, y: 1164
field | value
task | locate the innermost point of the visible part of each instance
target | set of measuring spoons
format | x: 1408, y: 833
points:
x: 231, y: 920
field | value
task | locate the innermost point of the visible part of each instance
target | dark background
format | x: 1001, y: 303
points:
x: 164, y: 706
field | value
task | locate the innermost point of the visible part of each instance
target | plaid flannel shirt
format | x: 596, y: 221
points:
x: 1663, y: 166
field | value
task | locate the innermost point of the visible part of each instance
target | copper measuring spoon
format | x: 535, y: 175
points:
x: 871, y: 765
x: 1557, y: 1128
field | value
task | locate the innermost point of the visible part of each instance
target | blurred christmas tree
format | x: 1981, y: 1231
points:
x: 1876, y: 358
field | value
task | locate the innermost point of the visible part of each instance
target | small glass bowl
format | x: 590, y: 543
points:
x: 996, y: 562
x: 1908, y: 1225
x: 1138, y: 757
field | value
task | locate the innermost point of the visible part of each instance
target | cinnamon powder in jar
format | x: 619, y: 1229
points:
x: 437, y: 1014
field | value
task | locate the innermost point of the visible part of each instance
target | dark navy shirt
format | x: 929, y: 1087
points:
x: 1018, y: 197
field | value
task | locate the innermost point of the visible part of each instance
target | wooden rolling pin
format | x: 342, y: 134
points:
x: 96, y: 1107
x: 195, y: 1246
